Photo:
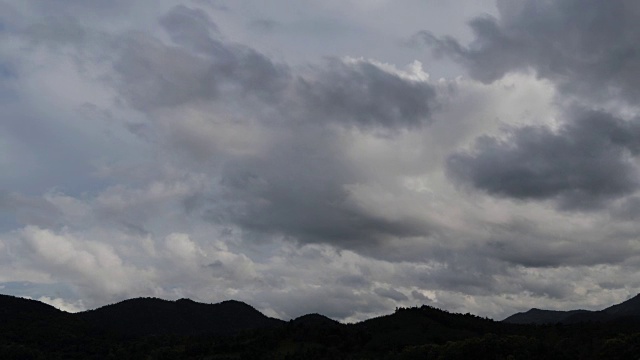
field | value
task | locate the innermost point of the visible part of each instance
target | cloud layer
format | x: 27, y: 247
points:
x: 193, y: 149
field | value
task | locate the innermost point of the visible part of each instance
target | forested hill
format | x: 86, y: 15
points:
x: 148, y: 328
x: 150, y: 316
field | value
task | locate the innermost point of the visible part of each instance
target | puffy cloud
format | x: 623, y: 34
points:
x: 586, y: 160
x: 63, y: 305
x: 94, y: 265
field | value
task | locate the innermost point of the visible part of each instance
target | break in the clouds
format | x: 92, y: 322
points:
x: 305, y: 158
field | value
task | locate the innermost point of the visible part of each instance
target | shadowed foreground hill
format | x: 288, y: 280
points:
x: 15, y: 309
x: 184, y: 329
x: 150, y: 316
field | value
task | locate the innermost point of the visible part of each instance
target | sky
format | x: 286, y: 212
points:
x: 336, y: 157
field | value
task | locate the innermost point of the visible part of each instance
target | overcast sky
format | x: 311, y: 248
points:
x: 341, y: 157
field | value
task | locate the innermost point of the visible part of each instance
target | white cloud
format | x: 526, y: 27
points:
x: 63, y: 305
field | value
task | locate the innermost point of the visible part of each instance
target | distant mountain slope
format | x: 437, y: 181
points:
x: 314, y: 320
x: 538, y: 316
x: 629, y: 310
x: 151, y: 316
x: 630, y: 307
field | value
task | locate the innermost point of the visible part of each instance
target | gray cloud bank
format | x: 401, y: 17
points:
x: 587, y: 162
x: 587, y: 47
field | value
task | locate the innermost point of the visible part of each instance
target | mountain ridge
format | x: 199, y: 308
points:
x: 143, y: 316
x: 628, y: 310
x: 187, y: 307
x: 154, y: 328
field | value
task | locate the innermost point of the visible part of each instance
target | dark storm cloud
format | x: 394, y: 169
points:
x: 589, y: 47
x: 154, y: 75
x: 628, y: 210
x: 367, y: 96
x: 351, y: 93
x: 296, y: 186
x: 297, y: 190
x: 420, y: 297
x: 584, y: 164
x: 539, y: 252
x: 392, y: 294
x: 191, y: 27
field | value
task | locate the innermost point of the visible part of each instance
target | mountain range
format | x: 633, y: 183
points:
x: 625, y: 311
x: 150, y: 328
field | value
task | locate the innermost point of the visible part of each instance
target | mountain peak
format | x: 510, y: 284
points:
x: 314, y: 319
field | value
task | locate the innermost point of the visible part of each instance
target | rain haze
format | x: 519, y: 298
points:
x: 339, y: 157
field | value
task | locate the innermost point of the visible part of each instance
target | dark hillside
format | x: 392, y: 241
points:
x: 19, y: 309
x: 150, y: 316
x: 29, y: 327
x: 630, y: 307
x: 408, y: 326
x: 628, y: 311
x: 314, y: 320
x: 540, y: 317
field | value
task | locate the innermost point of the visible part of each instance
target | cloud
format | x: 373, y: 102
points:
x: 190, y: 27
x: 264, y: 25
x: 28, y: 210
x: 391, y: 294
x: 582, y: 165
x: 287, y: 121
x: 63, y: 305
x: 347, y: 92
x: 86, y: 260
x: 590, y: 57
x: 362, y: 93
x: 169, y: 150
x: 587, y: 48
